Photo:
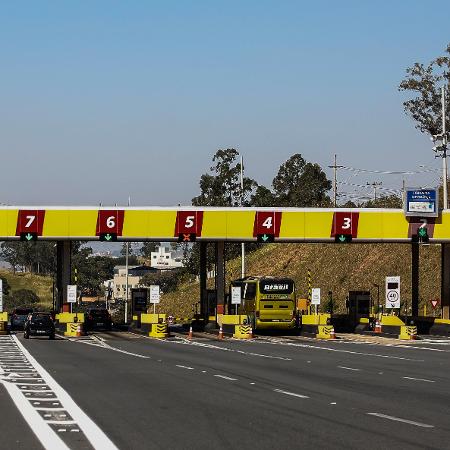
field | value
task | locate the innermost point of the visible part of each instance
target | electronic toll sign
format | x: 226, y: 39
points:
x: 421, y: 202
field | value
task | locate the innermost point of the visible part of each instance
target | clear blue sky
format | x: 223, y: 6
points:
x: 100, y: 100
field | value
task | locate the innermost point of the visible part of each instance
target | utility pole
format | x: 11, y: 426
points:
x: 335, y: 167
x: 242, y: 202
x: 126, y: 275
x: 375, y: 185
x: 441, y: 148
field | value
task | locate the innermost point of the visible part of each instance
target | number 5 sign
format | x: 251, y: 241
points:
x: 189, y: 222
x: 110, y: 222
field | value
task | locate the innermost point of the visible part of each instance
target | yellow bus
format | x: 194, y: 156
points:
x: 268, y: 301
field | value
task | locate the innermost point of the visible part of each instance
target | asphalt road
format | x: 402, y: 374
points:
x: 268, y: 393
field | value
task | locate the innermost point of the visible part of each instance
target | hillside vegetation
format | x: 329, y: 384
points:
x: 334, y: 267
x: 40, y: 284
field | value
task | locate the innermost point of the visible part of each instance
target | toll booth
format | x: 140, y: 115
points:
x: 358, y: 305
x: 139, y: 301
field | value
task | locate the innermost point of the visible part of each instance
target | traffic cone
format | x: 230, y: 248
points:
x: 78, y: 330
x: 332, y: 334
x: 190, y: 333
x: 250, y: 333
x: 220, y: 333
x: 377, y: 326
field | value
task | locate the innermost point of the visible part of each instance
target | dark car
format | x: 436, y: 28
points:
x: 39, y: 324
x: 18, y: 318
x: 98, y: 318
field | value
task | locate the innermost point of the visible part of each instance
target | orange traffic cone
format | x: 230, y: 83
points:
x: 377, y: 326
x: 190, y: 333
x: 332, y: 334
x: 250, y: 333
x: 78, y: 330
x: 220, y: 333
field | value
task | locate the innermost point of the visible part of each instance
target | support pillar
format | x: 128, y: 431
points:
x: 415, y: 273
x: 445, y: 280
x: 63, y: 272
x: 203, y: 276
x: 220, y: 276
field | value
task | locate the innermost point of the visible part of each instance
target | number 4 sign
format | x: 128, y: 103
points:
x: 267, y: 223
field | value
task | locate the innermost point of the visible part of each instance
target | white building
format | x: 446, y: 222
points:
x: 164, y: 258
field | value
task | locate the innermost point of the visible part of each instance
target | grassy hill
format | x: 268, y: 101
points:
x: 40, y: 284
x: 334, y: 267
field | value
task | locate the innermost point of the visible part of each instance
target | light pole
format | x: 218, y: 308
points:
x: 441, y: 141
x: 378, y: 295
x: 242, y: 202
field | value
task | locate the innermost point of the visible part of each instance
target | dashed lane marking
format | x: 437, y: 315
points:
x: 348, y: 368
x: 292, y: 394
x: 399, y: 419
x: 419, y: 379
x: 184, y: 367
x: 226, y: 378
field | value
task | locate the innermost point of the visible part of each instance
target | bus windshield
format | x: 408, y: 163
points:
x: 276, y: 286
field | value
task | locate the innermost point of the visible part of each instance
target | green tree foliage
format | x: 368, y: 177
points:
x: 92, y: 270
x: 385, y: 201
x: 301, y: 184
x: 147, y: 249
x: 167, y: 280
x: 263, y: 197
x: 37, y: 257
x: 223, y: 186
x: 424, y: 81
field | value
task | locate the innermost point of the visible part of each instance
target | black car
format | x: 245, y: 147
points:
x: 18, y: 318
x: 98, y: 318
x: 39, y: 324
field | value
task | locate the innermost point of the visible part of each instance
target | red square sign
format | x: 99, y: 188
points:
x: 189, y: 222
x: 267, y: 222
x: 345, y: 223
x: 30, y: 221
x: 110, y: 221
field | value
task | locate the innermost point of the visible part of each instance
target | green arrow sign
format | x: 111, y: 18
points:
x: 265, y: 237
x: 342, y: 238
x: 108, y: 237
x: 29, y: 237
x: 422, y: 232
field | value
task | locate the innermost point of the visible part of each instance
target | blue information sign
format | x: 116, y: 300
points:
x: 421, y: 202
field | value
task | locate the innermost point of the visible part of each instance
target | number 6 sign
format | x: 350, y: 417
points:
x: 110, y: 222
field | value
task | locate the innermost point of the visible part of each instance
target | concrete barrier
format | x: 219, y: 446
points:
x: 155, y: 325
x: 3, y: 323
x: 243, y: 332
x: 325, y: 332
x: 74, y: 329
x: 408, y: 332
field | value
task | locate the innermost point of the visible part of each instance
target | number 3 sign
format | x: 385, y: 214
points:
x: 345, y: 223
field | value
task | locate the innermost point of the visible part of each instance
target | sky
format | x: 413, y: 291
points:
x: 105, y: 100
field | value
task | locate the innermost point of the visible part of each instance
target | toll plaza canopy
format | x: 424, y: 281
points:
x: 217, y: 224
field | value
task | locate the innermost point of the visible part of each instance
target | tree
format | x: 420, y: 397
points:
x: 301, y: 184
x: 149, y: 247
x: 123, y: 250
x: 223, y: 187
x: 385, y: 201
x: 167, y: 280
x: 263, y: 197
x: 424, y: 81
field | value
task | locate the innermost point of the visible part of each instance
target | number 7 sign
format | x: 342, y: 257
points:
x: 30, y: 221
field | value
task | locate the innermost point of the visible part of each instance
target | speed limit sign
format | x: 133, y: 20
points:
x: 392, y: 292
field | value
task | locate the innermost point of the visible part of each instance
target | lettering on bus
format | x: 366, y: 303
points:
x: 276, y: 287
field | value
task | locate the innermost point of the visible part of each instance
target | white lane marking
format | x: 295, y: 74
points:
x: 225, y: 349
x: 348, y: 368
x: 93, y: 433
x: 419, y: 379
x: 184, y: 367
x: 46, y: 436
x: 333, y: 403
x: 399, y: 419
x: 292, y: 394
x: 252, y: 383
x: 330, y: 349
x: 226, y: 378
